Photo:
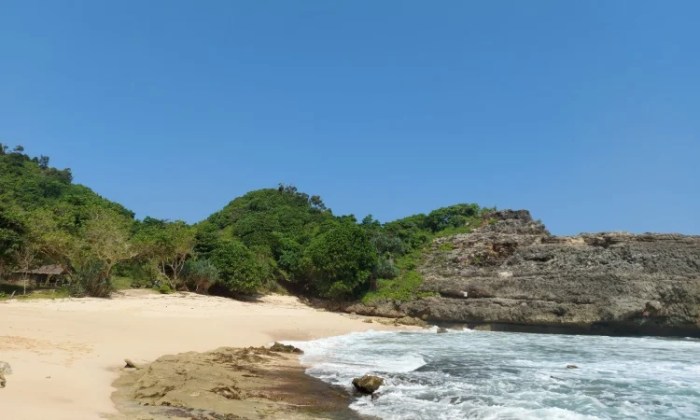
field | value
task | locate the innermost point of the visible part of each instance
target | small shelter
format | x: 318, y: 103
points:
x: 43, y: 275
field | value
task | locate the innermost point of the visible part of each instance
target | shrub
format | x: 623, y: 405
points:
x: 339, y: 263
x: 200, y: 274
x: 240, y: 270
x: 385, y: 269
x: 164, y: 288
x: 89, y: 279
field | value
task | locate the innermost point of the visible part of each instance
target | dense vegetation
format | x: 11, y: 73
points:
x: 265, y: 240
x: 45, y: 218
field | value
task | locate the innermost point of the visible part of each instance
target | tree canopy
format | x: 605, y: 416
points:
x: 45, y: 218
x: 339, y: 262
x: 263, y: 240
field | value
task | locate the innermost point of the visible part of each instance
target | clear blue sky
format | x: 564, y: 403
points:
x: 587, y: 113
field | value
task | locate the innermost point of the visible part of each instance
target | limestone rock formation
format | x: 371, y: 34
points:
x: 513, y: 274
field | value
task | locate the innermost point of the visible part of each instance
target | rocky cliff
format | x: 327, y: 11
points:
x: 512, y: 274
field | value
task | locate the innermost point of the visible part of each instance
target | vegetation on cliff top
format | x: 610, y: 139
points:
x: 261, y: 241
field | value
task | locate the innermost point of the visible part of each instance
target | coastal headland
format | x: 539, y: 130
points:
x: 511, y: 274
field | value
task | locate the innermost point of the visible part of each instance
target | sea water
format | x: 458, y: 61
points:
x: 497, y: 375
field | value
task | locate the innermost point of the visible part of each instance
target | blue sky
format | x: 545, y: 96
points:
x: 586, y: 113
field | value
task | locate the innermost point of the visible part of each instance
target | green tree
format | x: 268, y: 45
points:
x: 104, y: 243
x: 54, y: 239
x: 275, y: 224
x: 200, y: 275
x: 240, y: 270
x: 451, y: 216
x: 167, y: 245
x: 12, y: 235
x: 339, y: 262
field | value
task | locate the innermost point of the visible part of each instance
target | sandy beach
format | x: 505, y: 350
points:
x: 66, y: 353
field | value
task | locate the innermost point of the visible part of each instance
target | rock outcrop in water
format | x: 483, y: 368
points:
x: 513, y: 274
x: 367, y: 384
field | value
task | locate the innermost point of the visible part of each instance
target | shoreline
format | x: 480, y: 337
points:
x: 66, y: 354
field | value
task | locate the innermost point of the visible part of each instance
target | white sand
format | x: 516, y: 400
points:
x: 65, y: 353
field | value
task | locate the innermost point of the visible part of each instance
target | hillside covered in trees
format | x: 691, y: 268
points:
x: 265, y: 240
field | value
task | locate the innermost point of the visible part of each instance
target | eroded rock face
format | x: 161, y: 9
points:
x: 512, y: 272
x: 227, y: 383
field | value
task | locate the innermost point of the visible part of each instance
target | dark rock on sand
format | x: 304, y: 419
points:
x: 285, y: 348
x: 128, y: 364
x: 5, y: 369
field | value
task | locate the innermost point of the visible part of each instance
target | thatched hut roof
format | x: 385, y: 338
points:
x: 46, y: 270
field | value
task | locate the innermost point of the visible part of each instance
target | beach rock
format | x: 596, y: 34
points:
x: 379, y: 308
x: 5, y: 369
x: 285, y: 348
x: 410, y: 321
x: 441, y: 330
x: 367, y: 384
x: 512, y: 274
x: 226, y: 383
x: 571, y: 367
x: 128, y: 364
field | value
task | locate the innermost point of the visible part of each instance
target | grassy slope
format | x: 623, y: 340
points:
x: 406, y: 286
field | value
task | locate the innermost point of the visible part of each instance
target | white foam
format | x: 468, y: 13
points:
x: 487, y: 375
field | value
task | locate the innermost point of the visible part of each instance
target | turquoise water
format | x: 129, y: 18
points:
x: 497, y: 375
